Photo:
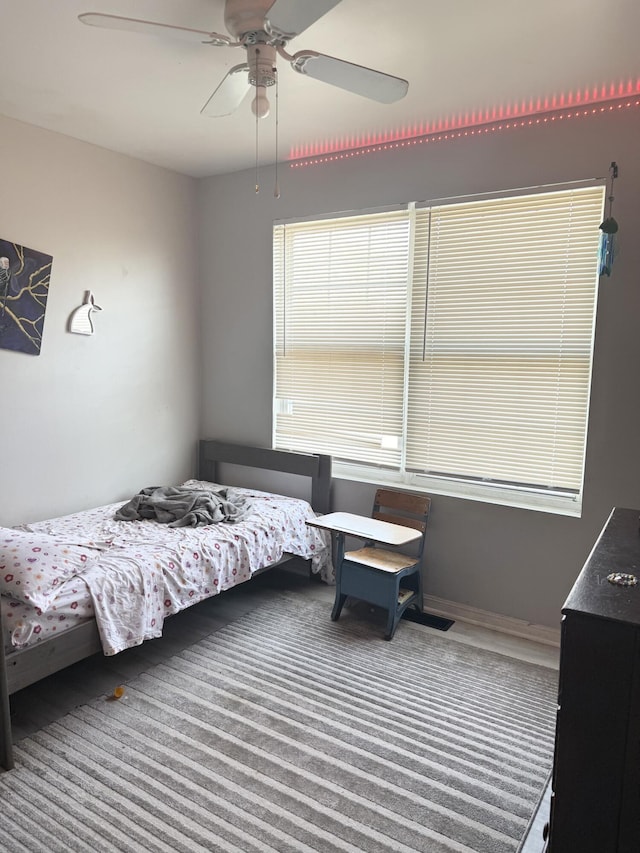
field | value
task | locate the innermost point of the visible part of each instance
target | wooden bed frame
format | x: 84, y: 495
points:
x: 25, y: 666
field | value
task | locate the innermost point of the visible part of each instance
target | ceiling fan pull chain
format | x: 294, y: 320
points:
x: 276, y: 189
x: 257, y: 123
x: 257, y: 182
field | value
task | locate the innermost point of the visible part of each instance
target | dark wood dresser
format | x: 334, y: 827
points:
x: 595, y: 784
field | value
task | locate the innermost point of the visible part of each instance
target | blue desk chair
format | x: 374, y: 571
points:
x: 389, y: 578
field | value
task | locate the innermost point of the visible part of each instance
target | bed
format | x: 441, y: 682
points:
x: 116, y: 581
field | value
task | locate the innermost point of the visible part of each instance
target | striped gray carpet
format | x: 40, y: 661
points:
x: 287, y: 732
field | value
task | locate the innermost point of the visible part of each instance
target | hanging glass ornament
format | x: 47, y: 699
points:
x: 609, y: 229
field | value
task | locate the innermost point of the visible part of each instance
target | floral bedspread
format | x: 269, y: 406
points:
x: 148, y: 571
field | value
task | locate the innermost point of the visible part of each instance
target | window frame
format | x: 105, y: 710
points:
x: 503, y: 493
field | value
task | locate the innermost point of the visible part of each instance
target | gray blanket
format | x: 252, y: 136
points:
x: 182, y: 507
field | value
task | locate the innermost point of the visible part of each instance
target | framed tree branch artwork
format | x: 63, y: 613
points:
x: 24, y: 288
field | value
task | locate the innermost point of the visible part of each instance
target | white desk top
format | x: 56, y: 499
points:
x: 366, y: 528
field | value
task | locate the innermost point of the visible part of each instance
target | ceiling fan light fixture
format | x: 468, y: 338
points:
x: 260, y: 105
x: 261, y: 59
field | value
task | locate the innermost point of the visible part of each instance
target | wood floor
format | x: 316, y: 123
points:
x: 42, y: 703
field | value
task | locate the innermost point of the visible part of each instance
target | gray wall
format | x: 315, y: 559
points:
x: 514, y: 562
x: 93, y: 419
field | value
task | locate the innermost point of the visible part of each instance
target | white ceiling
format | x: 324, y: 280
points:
x: 141, y: 95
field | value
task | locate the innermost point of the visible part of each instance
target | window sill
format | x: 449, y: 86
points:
x: 520, y: 499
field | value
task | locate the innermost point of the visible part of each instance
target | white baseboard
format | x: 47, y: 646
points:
x: 493, y: 621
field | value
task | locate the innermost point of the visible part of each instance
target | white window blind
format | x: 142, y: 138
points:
x: 502, y: 337
x: 340, y: 309
x: 452, y: 341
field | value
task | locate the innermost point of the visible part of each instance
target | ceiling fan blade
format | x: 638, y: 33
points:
x: 230, y: 92
x: 117, y: 22
x: 288, y: 18
x: 346, y: 75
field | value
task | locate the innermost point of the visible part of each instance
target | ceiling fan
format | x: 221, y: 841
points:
x: 264, y: 28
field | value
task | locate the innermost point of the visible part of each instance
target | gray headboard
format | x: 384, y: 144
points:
x: 315, y: 466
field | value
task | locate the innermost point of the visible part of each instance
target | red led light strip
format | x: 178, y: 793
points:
x: 596, y: 102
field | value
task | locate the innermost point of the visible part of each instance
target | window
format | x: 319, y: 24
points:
x: 447, y: 347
